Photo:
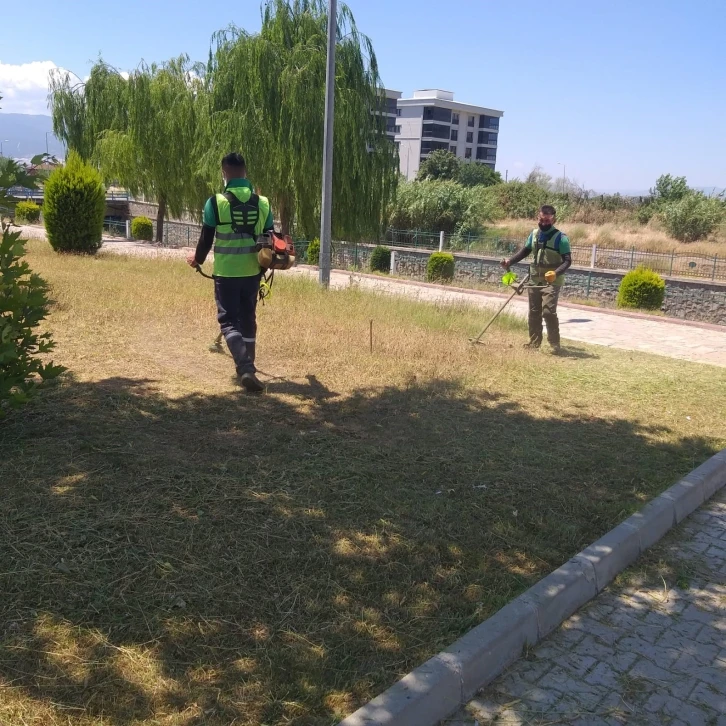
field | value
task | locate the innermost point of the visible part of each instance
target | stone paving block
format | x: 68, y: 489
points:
x: 716, y: 553
x: 697, y: 615
x: 575, y: 663
x: 604, y: 633
x: 663, y: 655
x: 604, y: 675
x: 532, y: 670
x: 683, y: 688
x: 659, y: 677
x: 559, y: 679
x: 705, y: 695
x: 661, y: 703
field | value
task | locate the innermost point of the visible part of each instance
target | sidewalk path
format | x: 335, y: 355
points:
x: 702, y: 344
x: 636, y: 655
x: 662, y: 337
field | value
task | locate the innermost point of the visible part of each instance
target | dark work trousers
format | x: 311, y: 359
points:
x: 543, y: 304
x: 236, y: 299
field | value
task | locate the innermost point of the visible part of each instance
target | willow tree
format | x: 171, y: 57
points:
x: 155, y: 154
x: 81, y: 111
x: 266, y: 98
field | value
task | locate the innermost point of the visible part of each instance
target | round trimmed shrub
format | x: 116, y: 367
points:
x: 313, y: 252
x: 381, y: 259
x: 142, y: 228
x: 641, y: 288
x: 27, y: 212
x: 74, y: 206
x: 440, y: 267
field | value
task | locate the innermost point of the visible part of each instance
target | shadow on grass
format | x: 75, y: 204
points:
x: 268, y: 560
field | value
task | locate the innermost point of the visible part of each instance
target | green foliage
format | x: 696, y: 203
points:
x: 74, y: 206
x: 267, y: 98
x: 520, y: 199
x: 669, y: 189
x: 645, y: 212
x: 27, y: 212
x: 440, y: 267
x: 24, y: 304
x: 435, y: 206
x: 441, y: 165
x: 473, y: 174
x: 313, y: 252
x: 142, y: 228
x: 693, y: 217
x: 381, y: 259
x: 641, y: 288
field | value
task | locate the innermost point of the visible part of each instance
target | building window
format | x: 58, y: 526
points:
x: 398, y: 112
x: 467, y: 153
x: 486, y: 138
x: 471, y: 121
x: 469, y: 137
x: 436, y: 131
x: 484, y: 154
x: 398, y: 145
x: 396, y: 129
x: 454, y: 135
x: 455, y: 118
x: 434, y: 113
x: 488, y: 122
x: 452, y: 149
x: 427, y: 146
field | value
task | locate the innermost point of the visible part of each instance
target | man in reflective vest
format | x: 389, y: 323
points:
x: 233, y: 220
x: 552, y: 257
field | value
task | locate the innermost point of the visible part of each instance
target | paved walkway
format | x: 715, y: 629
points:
x: 661, y: 337
x: 638, y: 655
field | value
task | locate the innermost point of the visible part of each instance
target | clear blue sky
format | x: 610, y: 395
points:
x: 620, y: 91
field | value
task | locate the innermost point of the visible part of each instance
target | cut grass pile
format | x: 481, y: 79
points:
x: 175, y: 552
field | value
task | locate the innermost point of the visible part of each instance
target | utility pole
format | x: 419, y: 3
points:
x: 47, y: 153
x: 327, y: 201
x: 564, y: 169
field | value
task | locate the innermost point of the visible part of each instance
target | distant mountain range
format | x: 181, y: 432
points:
x: 23, y: 135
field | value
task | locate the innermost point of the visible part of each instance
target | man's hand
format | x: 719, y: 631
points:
x: 192, y: 260
x: 550, y: 276
x: 505, y: 263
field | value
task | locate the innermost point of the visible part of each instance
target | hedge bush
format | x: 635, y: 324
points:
x: 74, y: 206
x: 313, y: 252
x: 27, y: 212
x: 142, y: 228
x: 440, y: 267
x: 24, y: 304
x: 641, y: 288
x: 693, y: 217
x: 381, y: 259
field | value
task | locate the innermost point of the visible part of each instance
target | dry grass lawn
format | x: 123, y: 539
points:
x: 177, y: 553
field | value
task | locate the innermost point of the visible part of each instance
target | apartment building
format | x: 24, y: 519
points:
x: 432, y: 120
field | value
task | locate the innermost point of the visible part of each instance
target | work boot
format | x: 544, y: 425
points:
x: 251, y: 383
x: 556, y: 348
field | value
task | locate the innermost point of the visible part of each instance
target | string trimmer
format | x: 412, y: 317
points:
x: 509, y: 279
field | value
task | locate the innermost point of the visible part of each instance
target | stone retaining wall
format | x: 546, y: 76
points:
x: 685, y: 299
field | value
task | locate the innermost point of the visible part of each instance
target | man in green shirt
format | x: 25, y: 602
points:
x: 233, y: 221
x: 552, y: 256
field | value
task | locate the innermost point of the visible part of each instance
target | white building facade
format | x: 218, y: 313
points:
x: 432, y: 120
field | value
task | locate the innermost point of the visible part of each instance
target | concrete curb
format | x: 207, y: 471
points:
x: 445, y: 682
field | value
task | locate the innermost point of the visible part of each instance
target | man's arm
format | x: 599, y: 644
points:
x: 519, y: 255
x: 566, y: 263
x: 206, y: 240
x: 269, y: 222
x: 566, y: 253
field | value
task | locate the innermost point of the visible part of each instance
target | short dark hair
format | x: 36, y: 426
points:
x: 548, y: 209
x: 234, y: 161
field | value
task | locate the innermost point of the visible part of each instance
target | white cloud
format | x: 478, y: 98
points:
x: 24, y: 87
